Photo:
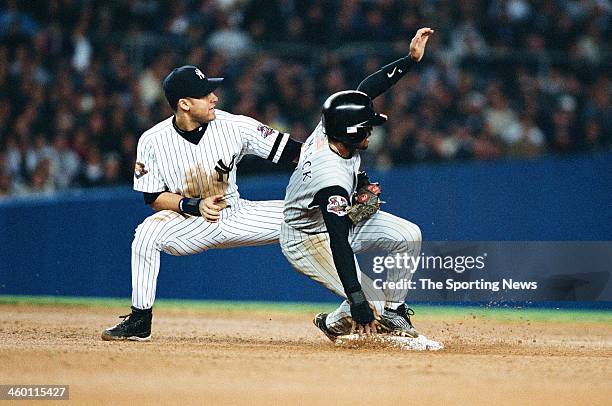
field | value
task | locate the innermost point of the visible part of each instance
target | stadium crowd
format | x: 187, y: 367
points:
x: 81, y: 79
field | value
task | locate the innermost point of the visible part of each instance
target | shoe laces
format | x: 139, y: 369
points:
x: 125, y: 318
x: 405, y: 312
x: 133, y: 314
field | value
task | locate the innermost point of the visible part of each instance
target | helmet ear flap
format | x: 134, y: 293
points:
x: 356, y: 134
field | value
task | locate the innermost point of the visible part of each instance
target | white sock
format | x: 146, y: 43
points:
x: 393, y: 305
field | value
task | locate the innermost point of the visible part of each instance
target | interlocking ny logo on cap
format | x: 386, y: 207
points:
x: 200, y: 74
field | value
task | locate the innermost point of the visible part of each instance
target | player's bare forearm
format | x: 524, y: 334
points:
x: 380, y: 81
x: 209, y: 207
x: 167, y: 201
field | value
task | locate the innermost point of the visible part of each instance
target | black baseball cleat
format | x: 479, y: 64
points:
x: 397, y: 322
x: 319, y: 321
x: 135, y: 326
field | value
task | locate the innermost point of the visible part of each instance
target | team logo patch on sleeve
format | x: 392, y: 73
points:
x: 337, y: 205
x: 139, y: 170
x: 264, y: 130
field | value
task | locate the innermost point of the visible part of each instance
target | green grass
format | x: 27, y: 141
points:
x: 435, y: 312
x: 212, y: 305
x: 519, y: 314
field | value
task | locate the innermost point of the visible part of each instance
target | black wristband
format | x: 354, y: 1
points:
x: 356, y: 298
x: 190, y: 206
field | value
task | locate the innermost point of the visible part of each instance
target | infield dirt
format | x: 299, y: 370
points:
x: 217, y: 357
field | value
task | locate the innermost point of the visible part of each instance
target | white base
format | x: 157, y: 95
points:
x: 421, y: 343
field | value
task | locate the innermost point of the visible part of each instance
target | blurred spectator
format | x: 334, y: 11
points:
x: 589, y: 45
x: 92, y: 173
x: 40, y: 181
x: 179, y: 21
x: 6, y: 188
x: 150, y: 81
x: 127, y: 157
x: 65, y: 163
x: 6, y: 184
x: 523, y: 137
x: 38, y: 151
x: 597, y: 112
x: 112, y: 170
x: 499, y: 116
x: 228, y: 39
x: 486, y: 145
x: 81, y: 58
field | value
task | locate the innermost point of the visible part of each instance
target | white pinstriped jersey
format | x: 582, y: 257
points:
x: 319, y: 167
x: 165, y: 161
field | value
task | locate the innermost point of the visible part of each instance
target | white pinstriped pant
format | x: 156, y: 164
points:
x: 252, y: 223
x: 311, y: 255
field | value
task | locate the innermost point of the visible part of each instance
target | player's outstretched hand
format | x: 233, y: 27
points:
x: 367, y: 330
x: 211, y: 206
x: 418, y: 43
x: 361, y: 313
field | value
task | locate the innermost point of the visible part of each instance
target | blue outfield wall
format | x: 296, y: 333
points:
x: 79, y: 244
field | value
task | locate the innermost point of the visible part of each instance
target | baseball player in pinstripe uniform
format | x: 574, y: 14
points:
x: 186, y: 170
x: 320, y: 237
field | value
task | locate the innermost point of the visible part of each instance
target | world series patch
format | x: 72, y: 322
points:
x: 264, y: 130
x: 337, y: 205
x: 139, y: 170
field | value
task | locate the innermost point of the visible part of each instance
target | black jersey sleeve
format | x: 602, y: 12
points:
x: 338, y: 226
x: 291, y: 153
x: 380, y: 81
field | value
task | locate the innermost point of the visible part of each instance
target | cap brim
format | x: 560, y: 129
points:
x: 378, y: 119
x: 211, y: 85
x: 215, y: 81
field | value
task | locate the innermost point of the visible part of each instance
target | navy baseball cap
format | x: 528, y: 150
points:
x: 188, y: 81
